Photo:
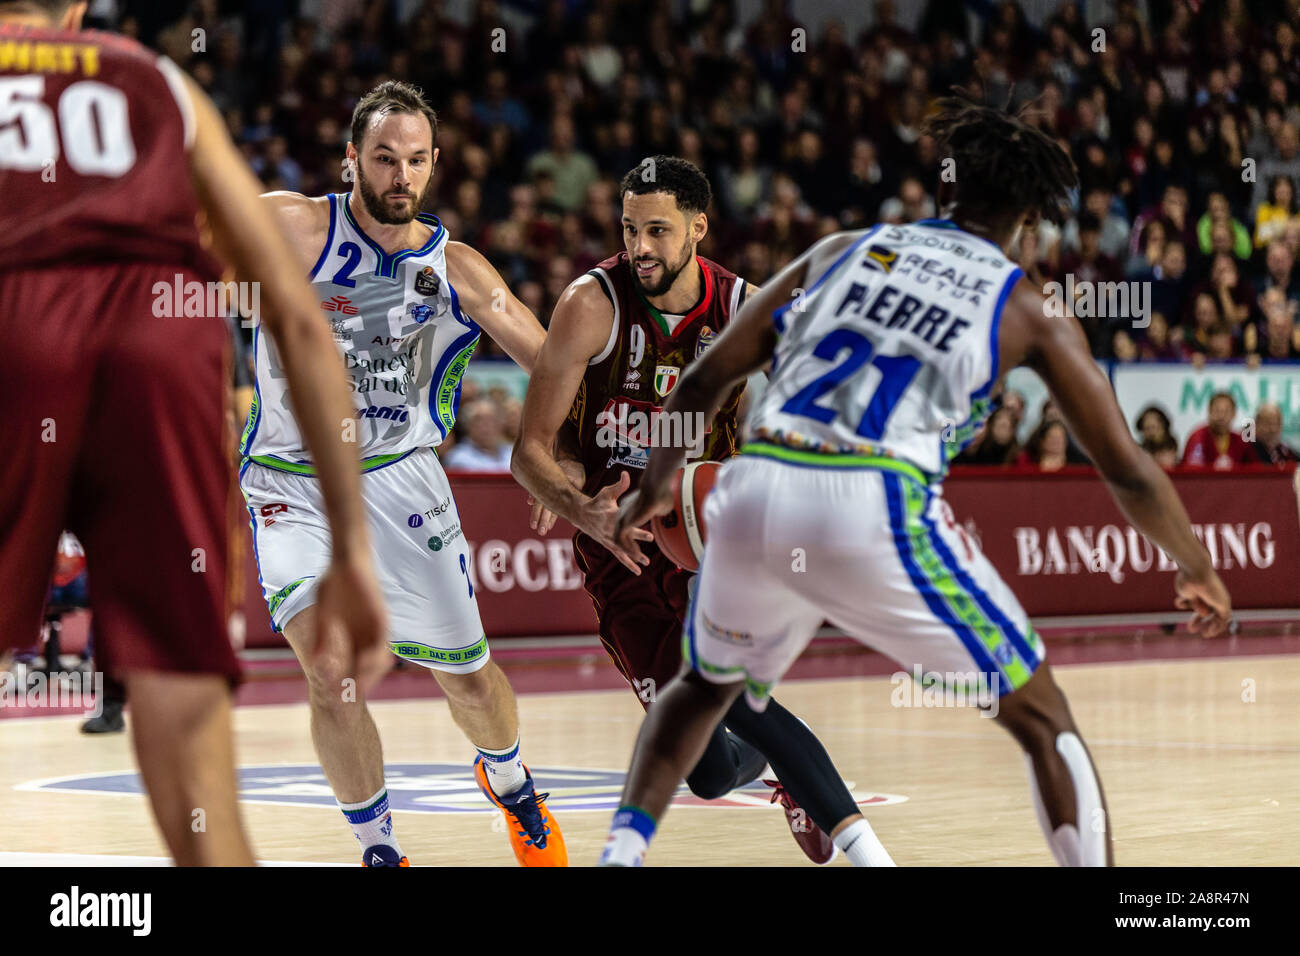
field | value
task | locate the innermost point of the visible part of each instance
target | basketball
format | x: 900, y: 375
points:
x: 680, y: 533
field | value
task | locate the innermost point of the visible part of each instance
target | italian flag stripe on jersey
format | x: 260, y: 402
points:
x: 701, y: 307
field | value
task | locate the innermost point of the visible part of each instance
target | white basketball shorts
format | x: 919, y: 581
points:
x: 421, y: 557
x: 870, y: 549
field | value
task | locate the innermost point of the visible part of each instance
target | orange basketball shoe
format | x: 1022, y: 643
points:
x: 534, y: 835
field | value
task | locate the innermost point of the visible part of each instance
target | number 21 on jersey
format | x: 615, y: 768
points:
x: 896, y: 373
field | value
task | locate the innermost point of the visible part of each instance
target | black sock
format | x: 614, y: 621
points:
x: 798, y: 759
x: 727, y: 763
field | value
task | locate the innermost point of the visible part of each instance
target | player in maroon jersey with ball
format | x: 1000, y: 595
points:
x: 617, y: 343
x: 108, y: 155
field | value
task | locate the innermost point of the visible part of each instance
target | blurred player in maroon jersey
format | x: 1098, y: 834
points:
x: 617, y: 343
x: 108, y: 154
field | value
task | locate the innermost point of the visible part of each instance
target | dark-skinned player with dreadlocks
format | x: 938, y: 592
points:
x: 887, y: 345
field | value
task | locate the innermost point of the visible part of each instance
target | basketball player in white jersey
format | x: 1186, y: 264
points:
x: 887, y: 345
x: 407, y: 307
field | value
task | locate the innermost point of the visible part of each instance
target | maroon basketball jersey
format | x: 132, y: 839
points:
x: 94, y: 131
x: 626, y: 385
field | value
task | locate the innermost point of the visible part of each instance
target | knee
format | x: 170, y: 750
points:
x: 330, y: 682
x: 707, y: 784
x: 1037, y: 722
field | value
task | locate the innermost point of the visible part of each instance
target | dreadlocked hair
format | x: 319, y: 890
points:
x: 1004, y: 165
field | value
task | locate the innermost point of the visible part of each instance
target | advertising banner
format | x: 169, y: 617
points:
x: 1057, y: 539
x: 1062, y: 545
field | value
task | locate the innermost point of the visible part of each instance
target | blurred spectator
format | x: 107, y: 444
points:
x: 1282, y: 160
x: 1159, y: 343
x: 1112, y: 228
x: 484, y: 446
x: 276, y: 163
x: 1236, y: 299
x: 498, y: 107
x: 1280, y: 339
x: 1279, y: 271
x: 1268, y: 445
x: 1163, y: 450
x: 865, y: 189
x: 1205, y: 316
x: 1221, y: 343
x: 1090, y: 266
x: 1151, y: 250
x: 1153, y: 425
x: 512, y: 411
x: 1218, y: 214
x: 1014, y: 402
x: 1273, y: 215
x: 1047, y: 447
x: 572, y: 170
x: 743, y: 183
x: 1050, y: 413
x: 1169, y: 281
x: 1215, y: 444
x: 997, y: 444
x: 1172, y: 213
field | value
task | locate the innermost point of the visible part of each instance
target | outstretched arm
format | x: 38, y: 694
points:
x: 580, y: 327
x: 1056, y: 349
x: 485, y: 298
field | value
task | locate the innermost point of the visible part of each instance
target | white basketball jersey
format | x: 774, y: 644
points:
x: 891, y: 354
x: 404, y: 340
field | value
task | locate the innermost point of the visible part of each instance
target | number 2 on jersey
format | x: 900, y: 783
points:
x: 896, y: 373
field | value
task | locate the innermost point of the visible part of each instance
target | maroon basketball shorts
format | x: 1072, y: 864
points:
x: 640, y: 617
x: 115, y: 430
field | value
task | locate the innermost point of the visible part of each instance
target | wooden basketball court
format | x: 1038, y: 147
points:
x: 1200, y: 761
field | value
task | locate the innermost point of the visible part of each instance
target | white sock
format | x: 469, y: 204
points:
x: 625, y: 847
x: 371, y: 822
x: 505, y: 769
x: 1083, y: 845
x: 860, y: 844
x: 629, y: 838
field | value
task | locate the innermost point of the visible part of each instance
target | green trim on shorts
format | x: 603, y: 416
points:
x: 308, y: 469
x: 962, y: 605
x: 757, y: 689
x: 410, y: 651
x: 815, y: 459
x: 276, y: 599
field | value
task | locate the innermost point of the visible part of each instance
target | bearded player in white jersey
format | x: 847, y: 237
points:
x: 406, y: 306
x: 887, y: 346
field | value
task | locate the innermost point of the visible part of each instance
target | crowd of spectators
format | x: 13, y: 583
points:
x: 1181, y: 116
x: 1213, y: 445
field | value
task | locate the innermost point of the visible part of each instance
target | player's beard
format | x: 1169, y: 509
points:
x: 670, y: 272
x: 378, y: 206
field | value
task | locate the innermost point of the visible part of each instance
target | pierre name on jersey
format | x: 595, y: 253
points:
x: 893, y: 351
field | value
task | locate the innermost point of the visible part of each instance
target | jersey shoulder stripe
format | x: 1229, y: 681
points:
x: 329, y: 240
